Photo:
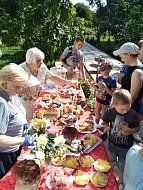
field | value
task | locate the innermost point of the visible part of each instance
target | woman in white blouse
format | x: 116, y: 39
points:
x: 38, y: 73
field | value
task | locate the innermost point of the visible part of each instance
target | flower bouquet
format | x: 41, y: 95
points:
x: 39, y: 126
x: 51, y: 148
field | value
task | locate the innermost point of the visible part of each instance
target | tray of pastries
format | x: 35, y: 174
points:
x: 90, y: 142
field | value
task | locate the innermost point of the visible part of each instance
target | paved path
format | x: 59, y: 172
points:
x: 90, y: 53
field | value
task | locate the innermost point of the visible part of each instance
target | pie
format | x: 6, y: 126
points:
x: 85, y: 125
x: 70, y: 162
x: 99, y: 179
x: 90, y: 140
x: 102, y: 165
x: 81, y: 177
x: 86, y: 161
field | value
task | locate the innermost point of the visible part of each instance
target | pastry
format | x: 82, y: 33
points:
x: 84, y: 125
x: 90, y: 140
x: 86, y: 161
x: 81, y: 177
x: 70, y: 162
x: 99, y: 179
x: 102, y: 165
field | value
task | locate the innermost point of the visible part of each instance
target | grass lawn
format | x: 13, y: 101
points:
x: 11, y: 55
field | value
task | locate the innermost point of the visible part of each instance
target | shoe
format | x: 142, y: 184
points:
x: 121, y: 186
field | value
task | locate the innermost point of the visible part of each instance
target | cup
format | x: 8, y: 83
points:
x: 58, y: 64
x: 123, y: 124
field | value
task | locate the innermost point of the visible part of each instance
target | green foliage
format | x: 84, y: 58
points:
x: 86, y: 87
x: 91, y: 103
x: 11, y: 55
x: 121, y: 19
x: 84, y: 11
x: 48, y: 25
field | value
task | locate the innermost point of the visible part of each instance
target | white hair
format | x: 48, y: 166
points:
x: 33, y: 54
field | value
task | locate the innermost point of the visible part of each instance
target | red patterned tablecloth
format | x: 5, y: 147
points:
x: 9, y: 180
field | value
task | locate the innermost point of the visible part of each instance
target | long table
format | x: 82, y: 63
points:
x: 8, y: 181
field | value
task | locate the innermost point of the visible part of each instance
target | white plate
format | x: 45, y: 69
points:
x: 87, y: 150
x: 87, y: 132
x: 67, y: 178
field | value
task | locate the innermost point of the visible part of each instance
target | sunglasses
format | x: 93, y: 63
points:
x: 102, y: 68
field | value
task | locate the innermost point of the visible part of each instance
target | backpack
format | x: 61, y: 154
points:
x: 68, y: 55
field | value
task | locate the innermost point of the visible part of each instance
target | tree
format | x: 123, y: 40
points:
x: 48, y: 25
x: 9, y: 21
x: 84, y: 11
x: 120, y: 18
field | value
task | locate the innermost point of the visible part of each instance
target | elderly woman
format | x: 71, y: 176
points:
x: 132, y: 81
x: 38, y: 73
x: 12, y: 114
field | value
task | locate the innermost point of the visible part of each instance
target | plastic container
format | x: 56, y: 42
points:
x: 59, y: 71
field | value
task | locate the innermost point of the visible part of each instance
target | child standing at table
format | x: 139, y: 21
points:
x: 105, y: 87
x: 123, y: 122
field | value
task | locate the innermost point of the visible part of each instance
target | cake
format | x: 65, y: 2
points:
x: 27, y: 170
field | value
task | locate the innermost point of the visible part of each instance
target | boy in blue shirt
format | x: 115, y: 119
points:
x: 105, y: 86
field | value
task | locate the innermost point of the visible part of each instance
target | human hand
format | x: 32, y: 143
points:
x: 101, y: 84
x: 27, y: 129
x: 70, y: 69
x: 94, y: 84
x: 74, y: 83
x: 126, y: 131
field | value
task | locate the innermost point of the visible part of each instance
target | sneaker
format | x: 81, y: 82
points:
x: 121, y: 186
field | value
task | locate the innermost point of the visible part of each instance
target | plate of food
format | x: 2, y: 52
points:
x: 86, y: 161
x: 99, y: 179
x: 86, y: 126
x: 102, y: 165
x: 70, y: 162
x: 90, y: 142
x: 81, y: 177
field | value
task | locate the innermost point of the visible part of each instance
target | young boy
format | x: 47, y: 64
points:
x: 105, y: 87
x: 73, y: 58
x: 123, y: 123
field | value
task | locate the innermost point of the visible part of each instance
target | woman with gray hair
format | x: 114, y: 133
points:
x: 12, y: 115
x: 38, y: 73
